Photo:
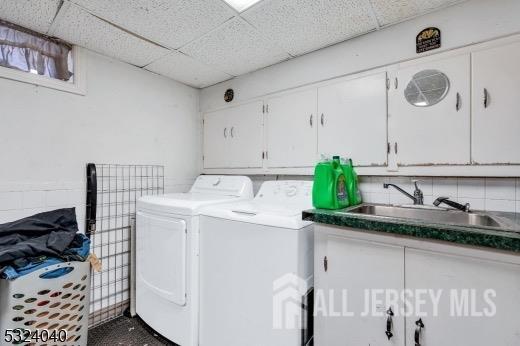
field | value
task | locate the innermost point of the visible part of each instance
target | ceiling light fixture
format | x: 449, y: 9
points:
x: 241, y: 5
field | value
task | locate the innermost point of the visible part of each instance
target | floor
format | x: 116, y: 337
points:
x: 125, y: 331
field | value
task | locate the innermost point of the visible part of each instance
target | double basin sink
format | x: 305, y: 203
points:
x: 430, y: 215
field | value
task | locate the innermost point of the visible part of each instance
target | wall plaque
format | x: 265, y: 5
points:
x: 428, y: 39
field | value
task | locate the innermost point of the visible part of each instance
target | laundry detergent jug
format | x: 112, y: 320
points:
x: 354, y: 195
x: 330, y: 185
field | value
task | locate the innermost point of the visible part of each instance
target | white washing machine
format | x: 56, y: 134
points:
x: 257, y: 269
x: 167, y: 250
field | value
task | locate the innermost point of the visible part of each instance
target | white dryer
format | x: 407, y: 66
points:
x: 257, y: 269
x: 167, y: 250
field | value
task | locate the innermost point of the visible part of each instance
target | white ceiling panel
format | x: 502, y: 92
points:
x: 32, y: 14
x: 235, y: 48
x: 171, y: 23
x: 393, y: 11
x: 187, y: 70
x: 301, y: 26
x: 81, y: 28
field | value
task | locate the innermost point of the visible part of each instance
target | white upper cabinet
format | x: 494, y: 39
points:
x: 215, y: 139
x: 291, y: 130
x: 353, y: 120
x: 496, y: 114
x: 429, y: 112
x: 233, y: 137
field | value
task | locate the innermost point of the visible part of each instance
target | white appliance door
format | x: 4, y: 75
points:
x: 161, y: 256
x: 239, y: 264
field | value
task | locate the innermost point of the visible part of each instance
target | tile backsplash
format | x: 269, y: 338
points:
x: 492, y: 194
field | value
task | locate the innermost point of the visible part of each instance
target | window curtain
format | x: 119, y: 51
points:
x: 29, y: 51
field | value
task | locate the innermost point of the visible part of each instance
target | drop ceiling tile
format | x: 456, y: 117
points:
x: 187, y: 70
x: 171, y: 23
x: 301, y: 26
x: 393, y: 11
x: 235, y: 48
x: 81, y: 28
x: 36, y: 15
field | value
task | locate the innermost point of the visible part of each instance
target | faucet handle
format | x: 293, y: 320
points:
x: 415, y: 181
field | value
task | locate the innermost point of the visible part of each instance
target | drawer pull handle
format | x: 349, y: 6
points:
x: 389, y: 323
x: 418, y: 330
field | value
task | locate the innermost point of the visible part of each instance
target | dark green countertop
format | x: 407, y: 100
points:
x: 505, y: 238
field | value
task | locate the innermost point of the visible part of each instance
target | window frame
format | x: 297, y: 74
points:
x: 78, y: 86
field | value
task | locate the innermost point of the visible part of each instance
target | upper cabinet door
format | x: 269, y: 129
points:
x: 429, y: 112
x: 353, y: 119
x: 291, y: 130
x: 246, y: 136
x: 233, y: 137
x: 216, y: 132
x: 496, y: 114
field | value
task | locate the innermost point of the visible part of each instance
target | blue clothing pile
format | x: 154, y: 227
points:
x: 39, y: 241
x: 78, y: 253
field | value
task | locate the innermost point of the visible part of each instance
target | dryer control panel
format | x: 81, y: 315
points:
x: 223, y: 185
x: 294, y: 192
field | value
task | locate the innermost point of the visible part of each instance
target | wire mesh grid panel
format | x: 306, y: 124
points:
x: 118, y: 189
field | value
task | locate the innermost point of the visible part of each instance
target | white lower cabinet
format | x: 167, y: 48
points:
x: 355, y: 268
x: 479, y: 300
x: 463, y: 299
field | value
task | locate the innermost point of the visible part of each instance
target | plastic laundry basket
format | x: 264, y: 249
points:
x: 43, y: 305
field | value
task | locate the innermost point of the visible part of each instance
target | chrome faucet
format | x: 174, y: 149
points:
x: 417, y: 198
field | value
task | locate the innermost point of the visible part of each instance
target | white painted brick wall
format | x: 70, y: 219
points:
x: 19, y: 200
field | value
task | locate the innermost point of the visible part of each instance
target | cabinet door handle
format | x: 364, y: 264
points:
x: 389, y: 323
x: 322, y: 120
x: 418, y: 330
x: 231, y: 132
x: 325, y: 263
x: 457, y: 106
x: 225, y: 132
x: 486, y: 98
x: 395, y: 147
x: 396, y: 83
x: 310, y: 120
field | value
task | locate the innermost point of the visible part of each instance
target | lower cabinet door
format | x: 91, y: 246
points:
x: 352, y: 284
x: 461, y: 300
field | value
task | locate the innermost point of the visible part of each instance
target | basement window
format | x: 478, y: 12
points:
x: 35, y: 58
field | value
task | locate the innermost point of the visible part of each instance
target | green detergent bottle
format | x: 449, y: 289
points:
x: 354, y: 194
x: 330, y: 185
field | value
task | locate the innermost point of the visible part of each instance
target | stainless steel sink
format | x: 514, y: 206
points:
x: 441, y: 216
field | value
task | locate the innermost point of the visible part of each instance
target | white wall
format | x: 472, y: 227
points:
x: 463, y: 24
x: 129, y: 116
